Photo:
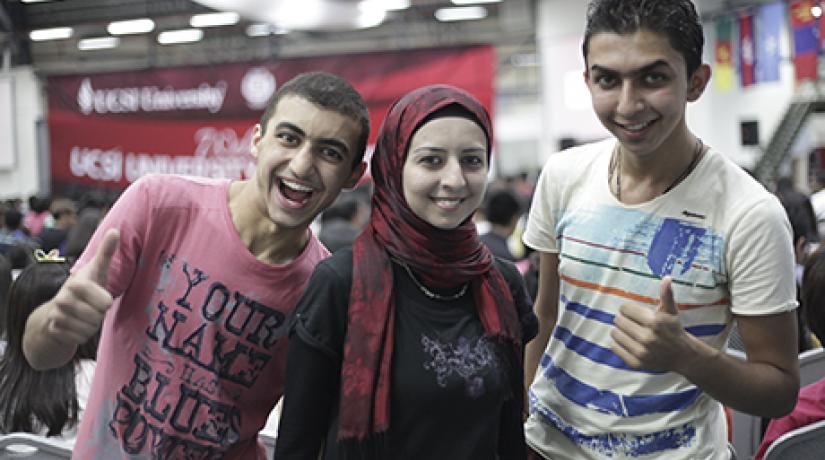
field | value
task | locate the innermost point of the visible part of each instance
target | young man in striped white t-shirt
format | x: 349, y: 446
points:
x: 651, y: 244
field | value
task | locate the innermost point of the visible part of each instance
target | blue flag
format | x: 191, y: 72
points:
x: 768, y: 30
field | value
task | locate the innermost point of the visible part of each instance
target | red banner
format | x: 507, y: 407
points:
x: 110, y: 129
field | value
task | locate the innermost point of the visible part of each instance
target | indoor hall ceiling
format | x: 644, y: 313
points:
x: 509, y: 25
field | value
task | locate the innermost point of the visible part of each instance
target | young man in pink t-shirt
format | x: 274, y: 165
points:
x: 192, y: 282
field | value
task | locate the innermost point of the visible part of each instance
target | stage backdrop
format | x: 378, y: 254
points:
x: 109, y: 129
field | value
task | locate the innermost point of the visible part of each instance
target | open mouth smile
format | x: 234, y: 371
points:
x: 294, y: 193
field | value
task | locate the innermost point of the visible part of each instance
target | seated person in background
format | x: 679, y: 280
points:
x: 810, y: 406
x: 48, y: 403
x: 503, y: 211
x: 20, y: 257
x: 38, y: 216
x: 13, y: 232
x: 65, y: 216
x: 342, y: 222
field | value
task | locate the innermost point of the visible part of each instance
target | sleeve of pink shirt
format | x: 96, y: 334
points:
x: 130, y: 215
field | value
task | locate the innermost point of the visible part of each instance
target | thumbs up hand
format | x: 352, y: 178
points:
x: 653, y: 340
x: 77, y: 311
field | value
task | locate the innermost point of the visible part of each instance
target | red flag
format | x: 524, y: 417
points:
x: 805, y: 41
x: 747, y: 53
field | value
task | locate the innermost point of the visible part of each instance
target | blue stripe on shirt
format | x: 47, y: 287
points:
x: 701, y: 330
x: 624, y: 444
x: 593, y: 352
x: 612, y: 403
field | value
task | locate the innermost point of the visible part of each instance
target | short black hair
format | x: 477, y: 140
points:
x: 501, y: 206
x: 676, y: 19
x: 13, y: 219
x: 330, y: 92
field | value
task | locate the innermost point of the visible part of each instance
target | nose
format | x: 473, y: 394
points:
x: 301, y: 162
x: 630, y: 101
x: 452, y: 175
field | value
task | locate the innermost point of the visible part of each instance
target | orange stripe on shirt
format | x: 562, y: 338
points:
x: 637, y: 297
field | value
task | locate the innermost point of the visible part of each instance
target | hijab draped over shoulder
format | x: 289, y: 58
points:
x: 442, y: 259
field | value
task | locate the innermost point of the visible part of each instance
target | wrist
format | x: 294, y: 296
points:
x: 695, y: 356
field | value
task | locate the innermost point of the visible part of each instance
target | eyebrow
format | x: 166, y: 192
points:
x: 633, y: 73
x: 330, y: 141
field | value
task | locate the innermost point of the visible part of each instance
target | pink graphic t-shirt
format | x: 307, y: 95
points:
x: 193, y: 352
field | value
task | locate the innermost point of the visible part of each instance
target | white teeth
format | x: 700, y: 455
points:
x: 296, y: 187
x: 636, y: 127
x: 448, y: 202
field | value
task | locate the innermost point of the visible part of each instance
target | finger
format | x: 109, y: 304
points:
x: 639, y: 314
x: 628, y: 343
x: 84, y: 297
x: 70, y: 334
x: 631, y: 328
x: 71, y: 330
x: 667, y: 303
x: 98, y: 268
x: 629, y: 358
x: 77, y: 314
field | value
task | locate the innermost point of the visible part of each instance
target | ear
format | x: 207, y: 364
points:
x: 356, y: 174
x: 256, y: 139
x: 698, y: 82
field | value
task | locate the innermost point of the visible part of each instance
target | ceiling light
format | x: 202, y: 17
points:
x: 171, y: 37
x: 226, y: 18
x: 464, y: 13
x: 33, y: 1
x: 97, y: 43
x: 133, y: 26
x: 474, y: 2
x: 395, y: 5
x: 57, y: 33
x: 370, y: 14
x: 816, y: 11
x: 264, y: 29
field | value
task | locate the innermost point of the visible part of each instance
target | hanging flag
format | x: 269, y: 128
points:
x: 723, y: 73
x: 747, y: 55
x: 768, y: 33
x: 822, y: 32
x: 805, y: 40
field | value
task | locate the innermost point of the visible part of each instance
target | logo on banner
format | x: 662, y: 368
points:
x: 150, y: 98
x: 257, y: 87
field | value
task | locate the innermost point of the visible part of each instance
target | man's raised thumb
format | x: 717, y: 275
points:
x: 98, y: 267
x: 666, y: 302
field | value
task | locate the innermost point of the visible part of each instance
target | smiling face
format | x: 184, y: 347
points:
x: 639, y: 88
x: 304, y: 159
x: 445, y: 172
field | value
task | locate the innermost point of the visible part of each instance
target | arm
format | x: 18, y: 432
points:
x: 765, y: 384
x: 56, y: 328
x: 546, y: 309
x: 311, y: 386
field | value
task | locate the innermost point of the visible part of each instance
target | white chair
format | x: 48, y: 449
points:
x: 811, y: 366
x: 805, y: 443
x: 32, y: 446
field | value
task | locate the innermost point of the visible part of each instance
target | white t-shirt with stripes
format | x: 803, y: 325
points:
x: 725, y: 241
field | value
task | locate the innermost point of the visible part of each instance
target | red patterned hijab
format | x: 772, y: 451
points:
x: 442, y: 259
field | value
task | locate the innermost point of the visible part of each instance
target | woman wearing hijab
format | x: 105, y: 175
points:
x: 409, y: 345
